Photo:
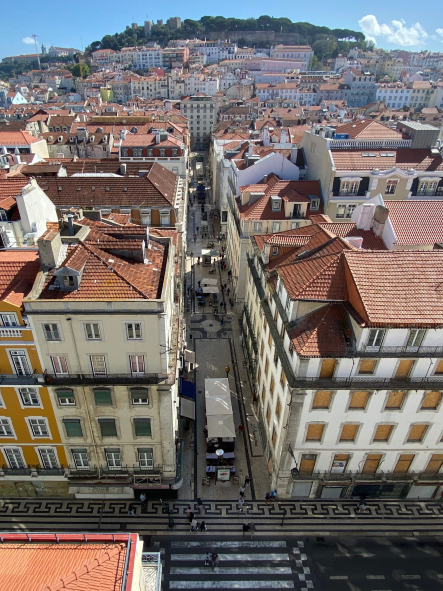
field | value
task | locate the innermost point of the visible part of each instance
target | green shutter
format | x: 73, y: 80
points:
x: 103, y: 397
x: 65, y: 393
x: 73, y: 427
x: 142, y: 427
x: 107, y: 427
x: 139, y: 393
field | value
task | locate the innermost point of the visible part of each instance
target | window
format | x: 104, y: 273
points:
x: 145, y: 219
x: 113, y: 459
x: 107, y: 427
x: 404, y: 463
x: 376, y: 336
x: 102, y: 397
x: 73, y: 427
x: 350, y: 210
x: 278, y: 409
x: 341, y: 210
x: 65, y: 397
x: 139, y: 396
x: 125, y: 152
x: 145, y: 457
x: 276, y: 227
x: 14, y: 458
x: 9, y: 320
x: 92, y: 331
x: 20, y: 363
x: 6, y: 428
x: 434, y: 464
x: 80, y: 457
x: 257, y: 226
x: 275, y: 251
x: 142, y: 427
x: 60, y: 365
x: 359, y: 400
x: 322, y: 399
x: 348, y: 432
x: 315, y: 432
x: 48, y: 457
x: 276, y: 204
x: 417, y: 433
x: 3, y: 216
x: 383, y: 432
x: 98, y: 365
x: 133, y: 330
x: 68, y: 281
x: 395, y: 400
x: 52, y: 332
x: 431, y: 401
x: 390, y: 187
x: 39, y: 427
x: 416, y: 337
x: 137, y: 364
x: 315, y: 203
x: 29, y: 397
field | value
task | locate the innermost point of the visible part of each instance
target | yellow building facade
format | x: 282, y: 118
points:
x: 32, y: 457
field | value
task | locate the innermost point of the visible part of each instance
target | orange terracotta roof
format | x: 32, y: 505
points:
x: 398, y: 288
x: 326, y: 332
x: 348, y: 230
x: 18, y: 270
x: 368, y: 130
x: 402, y: 158
x: 416, y: 222
x: 17, y: 138
x: 9, y: 189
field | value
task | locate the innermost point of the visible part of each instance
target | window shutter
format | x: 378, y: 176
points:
x: 371, y: 464
x: 142, y: 427
x: 348, y: 432
x: 103, y: 397
x: 322, y: 399
x: 404, y: 463
x: 439, y: 368
x: 383, y: 432
x: 417, y: 432
x: 315, y: 432
x: 137, y: 393
x: 434, y: 464
x: 73, y: 427
x: 359, y: 400
x: 395, y: 400
x: 431, y: 400
x: 107, y: 427
x: 367, y: 366
x: 65, y: 393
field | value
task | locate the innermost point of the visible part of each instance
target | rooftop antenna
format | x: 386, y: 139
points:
x: 34, y: 36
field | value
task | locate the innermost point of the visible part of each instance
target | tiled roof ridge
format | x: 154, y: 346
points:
x: 154, y: 167
x: 333, y: 258
x: 75, y: 575
x: 321, y: 313
x: 102, y: 259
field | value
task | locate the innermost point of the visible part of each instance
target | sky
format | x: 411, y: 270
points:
x: 394, y: 24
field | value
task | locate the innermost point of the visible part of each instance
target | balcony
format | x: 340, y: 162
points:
x: 16, y: 380
x: 371, y: 382
x: 11, y: 333
x: 109, y: 379
x: 256, y: 278
x: 16, y: 471
x: 251, y: 330
x: 362, y: 477
x: 105, y: 472
x: 50, y: 471
x: 383, y: 351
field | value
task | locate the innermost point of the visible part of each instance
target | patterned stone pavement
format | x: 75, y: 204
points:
x: 223, y: 518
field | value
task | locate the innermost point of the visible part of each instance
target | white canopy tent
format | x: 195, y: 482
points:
x: 220, y: 426
x: 210, y: 289
x: 218, y: 405
x: 209, y: 281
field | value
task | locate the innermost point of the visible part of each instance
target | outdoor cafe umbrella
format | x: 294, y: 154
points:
x: 210, y: 289
x: 218, y: 405
x: 220, y: 426
x: 209, y: 281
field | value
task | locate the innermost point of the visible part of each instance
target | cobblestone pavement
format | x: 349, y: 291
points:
x: 305, y: 517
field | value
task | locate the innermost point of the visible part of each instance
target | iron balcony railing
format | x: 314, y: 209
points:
x: 16, y: 471
x: 20, y: 380
x: 371, y: 382
x: 50, y: 471
x: 256, y: 278
x: 376, y: 476
x: 116, y: 378
x: 106, y: 471
x: 405, y: 351
x: 250, y: 329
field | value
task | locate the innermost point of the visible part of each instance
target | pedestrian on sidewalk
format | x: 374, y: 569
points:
x: 228, y: 291
x: 190, y: 516
x: 131, y: 509
x: 241, y: 502
x: 143, y: 501
x: 195, y: 237
x: 252, y: 529
x: 268, y: 498
x: 247, y: 481
x: 241, y: 428
x: 205, y: 432
x: 197, y: 233
x: 194, y: 525
x: 227, y: 369
x: 245, y: 528
x: 208, y: 559
x: 215, y: 311
x: 203, y: 526
x: 188, y: 510
x: 214, y: 560
x: 242, y: 491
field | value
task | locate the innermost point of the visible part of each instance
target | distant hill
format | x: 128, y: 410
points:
x: 265, y: 30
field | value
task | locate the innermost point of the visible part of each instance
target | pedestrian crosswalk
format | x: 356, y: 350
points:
x: 242, y: 564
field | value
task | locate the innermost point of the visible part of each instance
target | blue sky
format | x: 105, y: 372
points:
x: 76, y: 24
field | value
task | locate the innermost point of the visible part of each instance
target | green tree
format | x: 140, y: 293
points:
x: 75, y: 70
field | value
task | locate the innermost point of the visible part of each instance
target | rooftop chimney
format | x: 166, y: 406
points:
x: 49, y: 246
x: 71, y: 224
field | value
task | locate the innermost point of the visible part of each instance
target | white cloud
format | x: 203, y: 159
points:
x: 28, y: 40
x: 396, y: 32
x: 439, y: 32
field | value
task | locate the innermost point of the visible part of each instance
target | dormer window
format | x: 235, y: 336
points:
x: 68, y: 280
x: 315, y: 204
x: 125, y: 152
x: 276, y: 203
x: 162, y: 152
x: 150, y: 152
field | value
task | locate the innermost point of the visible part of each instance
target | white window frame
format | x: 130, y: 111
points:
x: 80, y: 452
x: 96, y: 336
x: 127, y: 329
x: 350, y: 210
x: 257, y: 226
x: 7, y: 422
x: 91, y: 361
x: 9, y: 320
x: 315, y: 204
x: 20, y: 353
x: 415, y: 338
x: 144, y: 462
x: 391, y: 184
x: 55, y: 360
x: 110, y: 459
x: 164, y: 215
x: 341, y: 212
x: 138, y: 361
x: 30, y: 420
x: 140, y: 401
x: 52, y: 331
x: 23, y: 392
x: 41, y: 451
x: 20, y: 454
x: 276, y: 231
x: 375, y: 332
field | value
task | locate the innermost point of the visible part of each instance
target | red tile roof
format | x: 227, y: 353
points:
x: 17, y: 138
x: 348, y: 230
x: 402, y: 158
x: 416, y: 222
x: 368, y: 130
x: 18, y: 270
x: 398, y: 288
x: 326, y: 332
x: 9, y: 189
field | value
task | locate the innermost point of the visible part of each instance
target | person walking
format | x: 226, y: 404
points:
x: 242, y: 491
x: 194, y: 525
x: 195, y: 237
x: 245, y: 528
x: 252, y: 529
x: 203, y: 526
x: 143, y: 501
x: 131, y: 509
x: 214, y: 560
x: 190, y: 516
x: 268, y: 498
x: 247, y: 481
x: 227, y: 369
x: 188, y: 510
x: 208, y: 559
x: 241, y: 502
x: 228, y: 291
x: 241, y: 428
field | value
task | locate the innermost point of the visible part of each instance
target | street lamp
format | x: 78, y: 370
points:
x: 295, y: 470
